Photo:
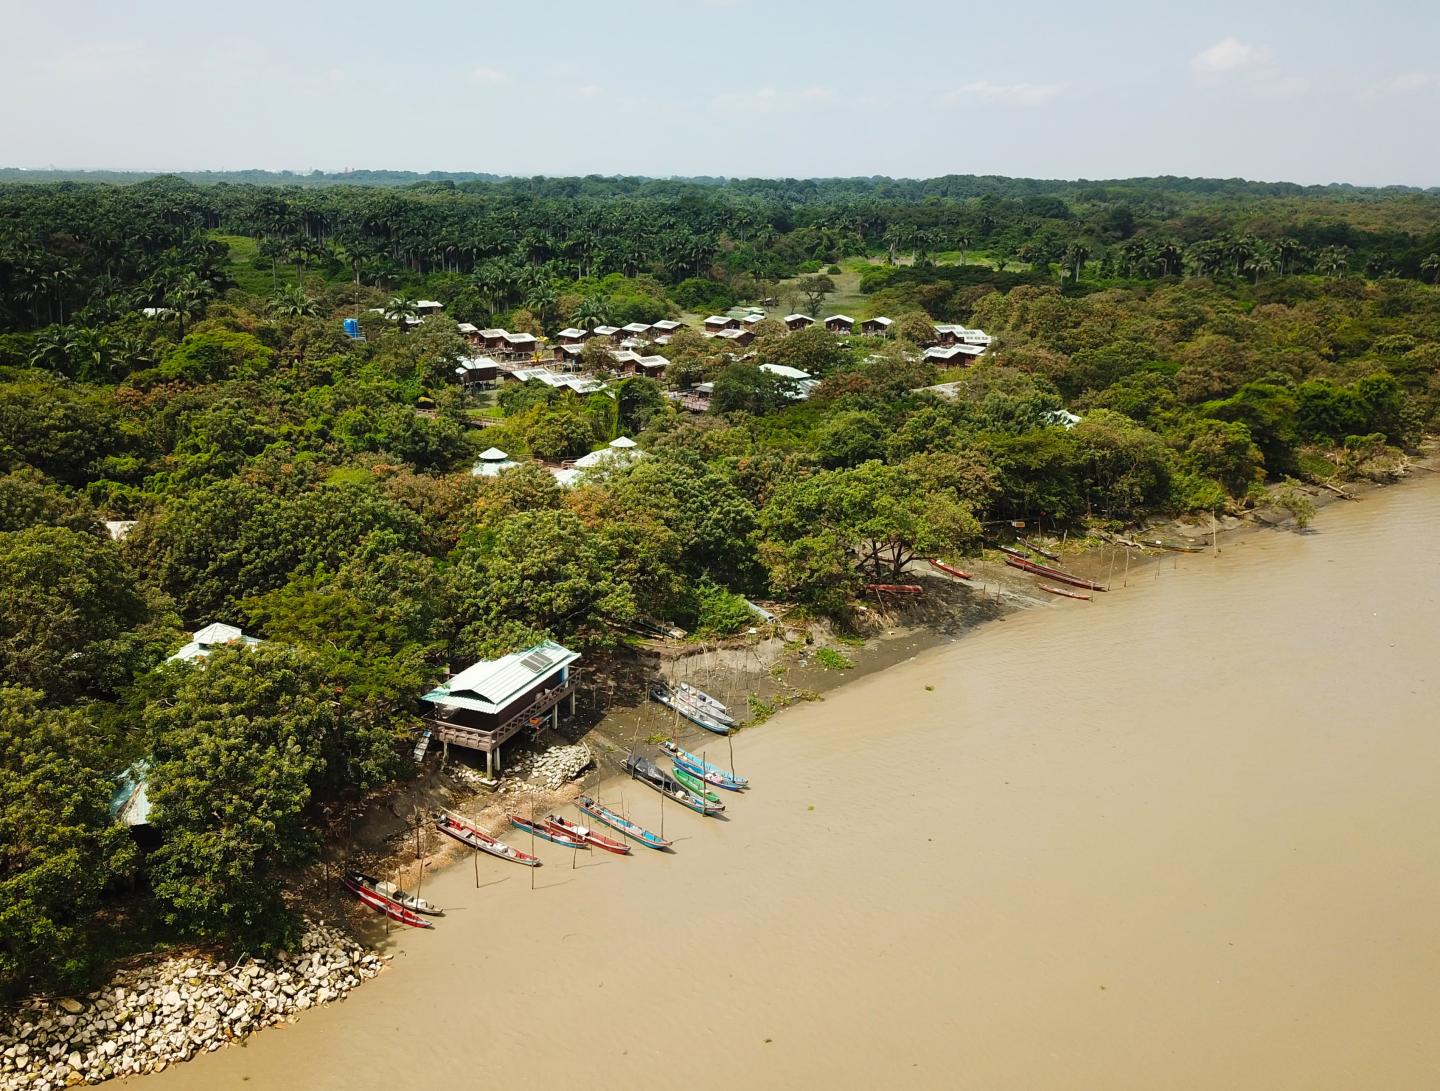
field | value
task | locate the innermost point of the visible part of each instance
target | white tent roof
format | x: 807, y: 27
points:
x: 493, y: 454
x: 623, y: 442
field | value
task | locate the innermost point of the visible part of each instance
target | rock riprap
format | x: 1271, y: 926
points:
x: 146, y: 1019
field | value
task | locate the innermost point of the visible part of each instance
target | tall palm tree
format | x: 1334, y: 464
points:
x: 1431, y: 265
x: 1076, y: 255
x: 399, y: 309
x: 292, y: 302
x: 589, y: 313
x: 1333, y: 260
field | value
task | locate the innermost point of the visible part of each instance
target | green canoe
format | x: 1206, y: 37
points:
x: 695, y: 784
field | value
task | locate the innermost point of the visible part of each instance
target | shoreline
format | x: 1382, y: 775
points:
x: 899, y: 641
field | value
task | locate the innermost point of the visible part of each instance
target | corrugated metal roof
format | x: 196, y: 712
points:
x: 491, y: 684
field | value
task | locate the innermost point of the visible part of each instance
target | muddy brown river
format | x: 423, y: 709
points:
x: 1187, y: 836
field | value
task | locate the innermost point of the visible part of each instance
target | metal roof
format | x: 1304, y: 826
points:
x: 206, y: 640
x: 492, y: 684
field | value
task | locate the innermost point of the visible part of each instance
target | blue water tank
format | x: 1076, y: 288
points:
x: 352, y: 327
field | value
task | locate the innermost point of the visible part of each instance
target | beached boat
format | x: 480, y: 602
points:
x: 1037, y: 569
x: 694, y: 784
x: 1172, y: 546
x: 616, y: 821
x: 354, y: 882
x: 659, y: 691
x: 1028, y: 544
x: 702, y: 700
x: 387, y: 889
x: 719, y: 780
x: 896, y: 588
x: 1062, y: 591
x: 467, y: 833
x: 648, y: 773
x: 586, y: 834
x: 543, y: 829
x: 1011, y: 551
x: 950, y: 569
x: 696, y: 761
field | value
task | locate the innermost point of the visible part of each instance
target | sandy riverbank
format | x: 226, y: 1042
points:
x: 1183, y: 837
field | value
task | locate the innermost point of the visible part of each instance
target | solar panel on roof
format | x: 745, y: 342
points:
x: 536, y: 660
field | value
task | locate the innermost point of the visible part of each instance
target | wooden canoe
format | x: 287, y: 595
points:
x: 950, y: 569
x: 467, y: 833
x: 698, y: 762
x: 616, y: 821
x: 1068, y: 594
x: 719, y: 780
x: 896, y: 588
x: 698, y: 697
x: 587, y: 835
x: 695, y: 784
x: 381, y: 904
x: 1028, y: 544
x: 389, y: 890
x: 698, y: 716
x: 1055, y: 574
x: 543, y: 829
x: 1173, y: 547
x: 647, y: 772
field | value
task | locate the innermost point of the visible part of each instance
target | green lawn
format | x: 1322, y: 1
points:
x: 243, y: 251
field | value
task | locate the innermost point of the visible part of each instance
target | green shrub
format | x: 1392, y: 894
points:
x: 832, y: 660
x: 719, y: 612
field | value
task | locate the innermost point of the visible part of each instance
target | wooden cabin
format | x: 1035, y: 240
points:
x: 479, y: 371
x: 471, y: 333
x: 606, y: 331
x: 490, y: 702
x: 665, y: 326
x: 840, y: 323
x: 875, y: 327
x: 573, y: 336
x: 795, y: 322
x: 569, y: 353
x: 636, y: 329
x: 493, y: 339
x: 717, y: 323
x: 424, y: 307
x: 740, y: 337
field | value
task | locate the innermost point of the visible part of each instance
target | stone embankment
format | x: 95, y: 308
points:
x: 147, y: 1019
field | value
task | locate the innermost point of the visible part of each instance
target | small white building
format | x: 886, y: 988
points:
x: 493, y: 463
x: 206, y: 640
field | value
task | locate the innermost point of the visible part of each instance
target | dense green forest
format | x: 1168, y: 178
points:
x: 1215, y: 337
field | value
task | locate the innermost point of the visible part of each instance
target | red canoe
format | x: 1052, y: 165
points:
x: 587, y: 835
x: 392, y: 909
x: 960, y: 573
x: 1052, y: 573
x: 467, y: 833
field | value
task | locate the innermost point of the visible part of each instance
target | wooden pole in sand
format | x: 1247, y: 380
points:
x: 1214, y: 535
x: 729, y: 738
x: 532, y: 841
x: 1127, y: 568
x: 475, y: 856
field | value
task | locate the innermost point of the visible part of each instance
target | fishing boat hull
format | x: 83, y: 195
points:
x: 1052, y: 573
x: 675, y: 751
x: 1067, y: 593
x: 652, y: 776
x: 703, y: 701
x: 696, y: 786
x: 600, y: 813
x: 1033, y: 548
x: 381, y: 904
x: 1173, y: 547
x: 541, y: 830
x: 587, y: 835
x: 477, y: 839
x: 667, y: 697
x: 715, y: 779
x: 389, y: 890
x: 951, y: 570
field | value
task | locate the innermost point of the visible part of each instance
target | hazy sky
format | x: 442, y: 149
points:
x: 1312, y: 92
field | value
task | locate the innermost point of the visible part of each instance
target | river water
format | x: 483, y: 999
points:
x: 1187, y: 836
